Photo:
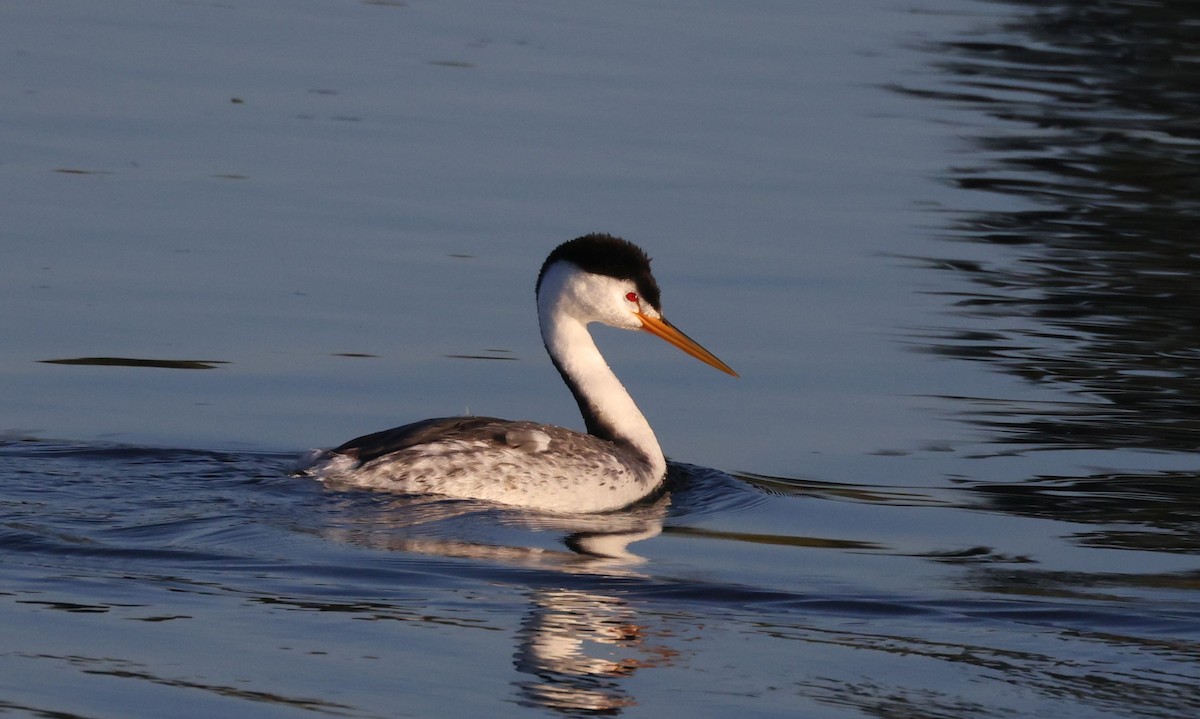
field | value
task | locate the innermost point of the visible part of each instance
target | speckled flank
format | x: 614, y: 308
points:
x: 473, y: 457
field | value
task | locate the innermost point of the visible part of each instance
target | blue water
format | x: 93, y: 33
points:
x: 948, y: 246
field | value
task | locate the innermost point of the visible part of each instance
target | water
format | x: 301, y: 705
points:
x: 948, y: 246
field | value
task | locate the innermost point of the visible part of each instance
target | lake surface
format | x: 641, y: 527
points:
x: 950, y: 246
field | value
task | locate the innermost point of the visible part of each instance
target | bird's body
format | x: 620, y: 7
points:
x: 595, y: 278
x: 511, y: 462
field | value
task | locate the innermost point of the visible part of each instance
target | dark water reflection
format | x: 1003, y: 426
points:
x: 1093, y: 123
x: 1158, y: 512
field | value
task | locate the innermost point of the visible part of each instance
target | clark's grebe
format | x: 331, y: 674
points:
x: 595, y: 278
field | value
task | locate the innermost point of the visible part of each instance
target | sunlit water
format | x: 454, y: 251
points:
x: 949, y: 247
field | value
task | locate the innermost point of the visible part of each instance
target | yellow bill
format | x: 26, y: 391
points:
x: 659, y: 327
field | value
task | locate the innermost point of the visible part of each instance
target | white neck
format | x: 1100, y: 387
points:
x: 607, y: 408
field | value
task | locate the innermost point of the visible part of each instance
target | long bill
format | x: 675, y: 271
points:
x: 659, y: 327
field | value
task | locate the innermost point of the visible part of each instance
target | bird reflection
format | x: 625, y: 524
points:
x: 579, y: 641
x: 477, y: 530
x: 577, y: 646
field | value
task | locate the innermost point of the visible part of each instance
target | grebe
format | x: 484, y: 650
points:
x: 594, y: 278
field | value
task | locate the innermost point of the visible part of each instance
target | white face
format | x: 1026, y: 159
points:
x: 593, y: 298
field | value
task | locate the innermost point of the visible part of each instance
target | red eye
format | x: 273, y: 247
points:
x: 632, y: 297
